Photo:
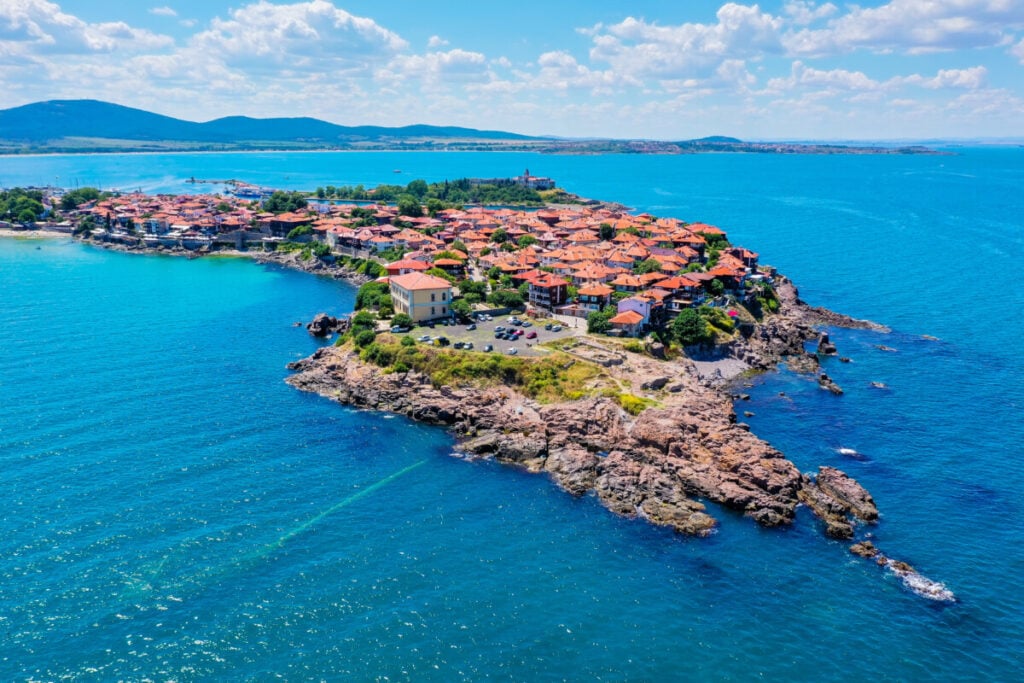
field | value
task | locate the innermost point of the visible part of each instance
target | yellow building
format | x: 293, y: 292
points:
x: 421, y: 296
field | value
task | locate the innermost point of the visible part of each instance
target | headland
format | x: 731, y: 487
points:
x: 637, y: 410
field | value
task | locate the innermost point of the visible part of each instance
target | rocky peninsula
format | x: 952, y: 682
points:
x: 659, y: 464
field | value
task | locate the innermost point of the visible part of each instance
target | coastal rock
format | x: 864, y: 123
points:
x: 825, y: 346
x: 838, y: 500
x: 843, y: 488
x: 324, y: 325
x: 826, y: 382
x: 574, y: 468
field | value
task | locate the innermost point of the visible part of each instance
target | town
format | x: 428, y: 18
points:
x: 624, y: 274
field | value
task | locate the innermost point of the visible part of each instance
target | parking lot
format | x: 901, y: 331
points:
x: 484, y: 333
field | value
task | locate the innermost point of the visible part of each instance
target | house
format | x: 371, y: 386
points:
x: 405, y: 266
x: 594, y: 297
x: 421, y: 296
x: 548, y: 291
x: 629, y: 323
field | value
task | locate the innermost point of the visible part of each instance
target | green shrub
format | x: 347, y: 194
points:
x: 364, y: 338
x: 633, y: 346
x: 406, y: 340
x: 634, y: 405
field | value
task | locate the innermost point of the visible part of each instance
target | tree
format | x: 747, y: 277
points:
x: 434, y: 206
x: 506, y: 298
x: 437, y: 272
x: 371, y: 294
x: 279, y: 202
x: 409, y: 206
x: 689, y: 328
x: 461, y: 308
x: 459, y: 245
x: 597, y: 321
x: 526, y: 240
x: 606, y: 231
x: 300, y: 231
x: 401, y: 319
x: 499, y: 236
x: 648, y: 266
x: 716, y: 288
x: 417, y: 188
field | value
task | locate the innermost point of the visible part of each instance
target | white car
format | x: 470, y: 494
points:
x: 513, y: 351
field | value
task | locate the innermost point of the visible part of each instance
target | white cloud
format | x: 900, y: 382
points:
x: 38, y: 27
x: 969, y: 79
x: 1018, y: 51
x: 453, y: 65
x: 803, y: 12
x: 436, y: 42
x: 299, y: 36
x: 639, y: 49
x: 913, y: 26
x: 163, y: 11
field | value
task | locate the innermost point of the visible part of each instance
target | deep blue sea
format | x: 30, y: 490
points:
x: 172, y: 510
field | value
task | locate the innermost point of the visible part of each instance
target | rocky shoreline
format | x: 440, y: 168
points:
x: 658, y: 465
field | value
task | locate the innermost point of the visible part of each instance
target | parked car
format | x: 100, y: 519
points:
x: 424, y: 338
x: 457, y: 345
x: 471, y: 326
x: 519, y: 333
x: 398, y: 329
x: 513, y: 351
x: 516, y: 321
x: 527, y: 323
x: 499, y: 328
x: 467, y: 345
x: 556, y: 328
x: 531, y: 335
x: 441, y: 341
x: 548, y: 327
x: 488, y: 347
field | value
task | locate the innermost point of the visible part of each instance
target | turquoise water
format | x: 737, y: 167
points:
x: 173, y: 510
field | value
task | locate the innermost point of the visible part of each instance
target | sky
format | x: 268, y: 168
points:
x: 774, y: 70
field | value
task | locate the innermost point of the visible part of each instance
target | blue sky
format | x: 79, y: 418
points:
x: 777, y: 69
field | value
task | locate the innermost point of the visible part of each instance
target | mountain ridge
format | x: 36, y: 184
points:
x: 54, y: 120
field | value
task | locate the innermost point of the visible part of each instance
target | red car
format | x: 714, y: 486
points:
x: 531, y: 335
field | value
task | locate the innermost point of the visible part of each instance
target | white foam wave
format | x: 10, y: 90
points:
x: 922, y: 585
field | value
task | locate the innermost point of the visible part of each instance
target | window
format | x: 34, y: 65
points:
x: 444, y: 310
x: 433, y: 296
x: 431, y: 310
x: 444, y: 296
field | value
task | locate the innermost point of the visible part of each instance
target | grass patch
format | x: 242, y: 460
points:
x: 553, y: 378
x: 634, y: 405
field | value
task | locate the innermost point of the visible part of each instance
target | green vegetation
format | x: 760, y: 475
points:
x: 372, y: 295
x: 689, y: 328
x: 556, y: 377
x: 300, y: 231
x: 75, y: 198
x: 648, y: 266
x: 443, y: 195
x: 402, y: 320
x: 597, y: 321
x: 633, y: 346
x: 280, y: 202
x: 24, y: 206
x: 634, y: 405
x: 505, y: 298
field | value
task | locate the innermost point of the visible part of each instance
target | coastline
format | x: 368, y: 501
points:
x: 686, y: 446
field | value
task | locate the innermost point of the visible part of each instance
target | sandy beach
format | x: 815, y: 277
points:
x: 33, y: 234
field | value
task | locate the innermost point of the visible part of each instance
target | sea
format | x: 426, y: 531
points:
x: 172, y: 511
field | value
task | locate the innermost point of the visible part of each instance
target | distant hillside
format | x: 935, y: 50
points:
x: 49, y: 123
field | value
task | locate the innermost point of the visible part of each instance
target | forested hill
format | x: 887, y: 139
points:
x: 56, y: 120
